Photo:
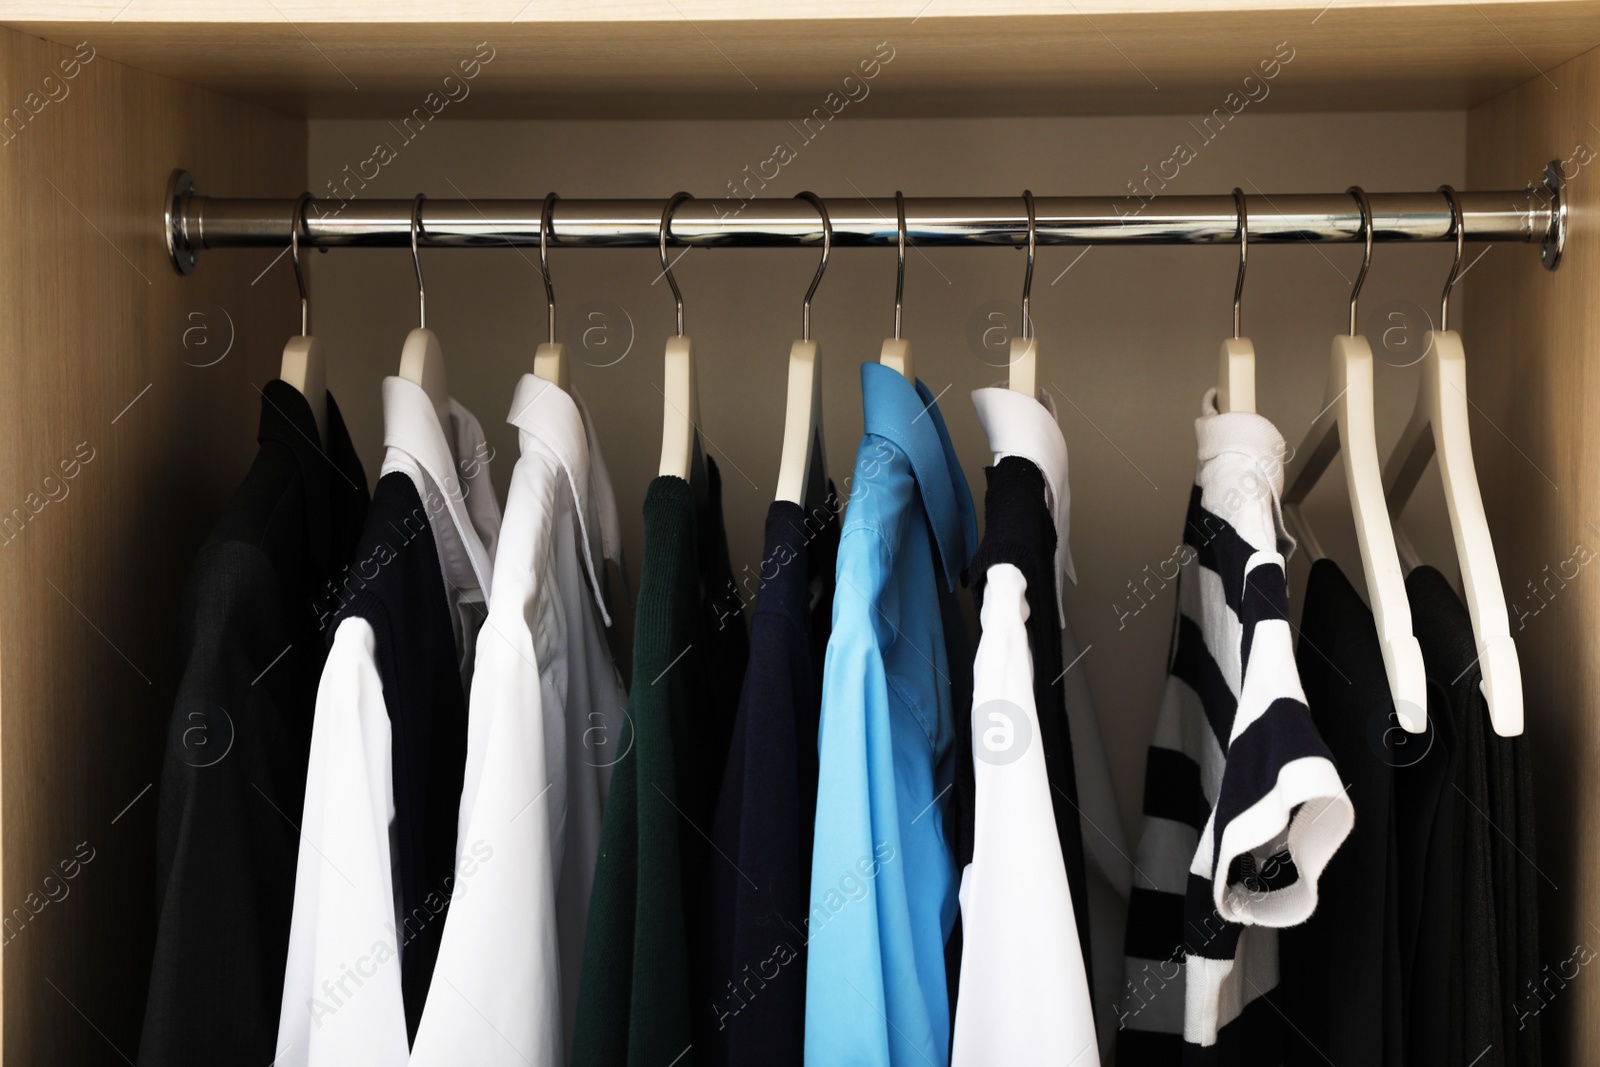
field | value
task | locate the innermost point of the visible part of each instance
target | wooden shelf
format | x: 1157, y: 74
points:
x: 711, y: 59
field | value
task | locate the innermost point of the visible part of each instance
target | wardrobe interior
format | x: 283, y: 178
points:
x: 149, y: 380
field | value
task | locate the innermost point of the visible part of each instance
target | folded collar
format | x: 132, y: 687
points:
x: 549, y: 418
x: 411, y: 428
x: 1021, y: 426
x: 909, y: 418
x: 1244, y: 433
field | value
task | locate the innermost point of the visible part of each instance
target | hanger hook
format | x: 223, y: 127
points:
x: 1458, y: 227
x: 1027, y: 279
x: 1244, y: 255
x: 666, y: 267
x: 1366, y: 254
x: 900, y: 268
x: 546, y: 222
x: 295, y: 224
x: 416, y: 261
x: 827, y: 246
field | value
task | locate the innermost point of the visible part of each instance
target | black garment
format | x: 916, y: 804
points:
x: 1497, y: 993
x: 233, y: 777
x: 754, y: 913
x: 1019, y: 529
x: 396, y: 584
x: 1340, y: 982
x: 1426, y: 804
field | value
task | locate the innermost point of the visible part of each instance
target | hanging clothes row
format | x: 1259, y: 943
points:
x: 840, y: 830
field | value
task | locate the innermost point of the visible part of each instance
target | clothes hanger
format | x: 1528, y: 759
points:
x: 303, y: 365
x: 801, y: 473
x: 550, y: 360
x: 680, y: 418
x: 1442, y: 408
x: 1024, y: 374
x: 421, y: 359
x: 896, y: 352
x: 1236, y: 372
x: 1346, y: 426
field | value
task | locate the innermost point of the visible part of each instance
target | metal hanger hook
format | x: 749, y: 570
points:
x: 546, y: 221
x: 1366, y: 253
x: 1244, y: 256
x: 666, y: 267
x: 295, y: 224
x: 900, y: 267
x: 827, y: 246
x: 416, y: 261
x: 1458, y: 227
x: 1027, y: 279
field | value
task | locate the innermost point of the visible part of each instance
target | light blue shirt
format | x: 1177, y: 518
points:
x: 883, y: 880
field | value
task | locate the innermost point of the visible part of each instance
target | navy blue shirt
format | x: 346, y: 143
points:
x: 751, y: 1003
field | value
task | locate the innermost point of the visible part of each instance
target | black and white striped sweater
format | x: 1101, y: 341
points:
x: 1243, y: 805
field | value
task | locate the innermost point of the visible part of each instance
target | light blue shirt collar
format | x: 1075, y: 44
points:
x: 909, y: 419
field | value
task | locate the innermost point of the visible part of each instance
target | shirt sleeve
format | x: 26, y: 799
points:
x: 495, y: 996
x: 1018, y: 1004
x: 341, y: 992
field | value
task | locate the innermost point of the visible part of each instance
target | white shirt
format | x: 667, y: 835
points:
x: 545, y: 721
x: 1018, y: 1005
x: 1020, y: 426
x: 342, y: 1002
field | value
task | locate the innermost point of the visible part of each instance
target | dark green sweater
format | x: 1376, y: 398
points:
x: 689, y: 651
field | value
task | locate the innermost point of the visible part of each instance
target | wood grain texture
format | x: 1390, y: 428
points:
x: 94, y: 370
x: 717, y: 59
x: 1531, y: 338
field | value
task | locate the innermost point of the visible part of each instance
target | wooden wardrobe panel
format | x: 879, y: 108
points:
x: 128, y: 412
x: 732, y: 59
x: 1532, y: 339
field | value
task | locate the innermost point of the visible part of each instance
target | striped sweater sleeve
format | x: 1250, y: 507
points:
x: 1243, y: 806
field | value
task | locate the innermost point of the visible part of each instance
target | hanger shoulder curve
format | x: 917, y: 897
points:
x: 304, y: 366
x: 896, y: 355
x: 1440, y: 426
x: 680, y: 410
x: 801, y: 422
x: 1236, y: 375
x: 1024, y: 366
x: 422, y: 362
x: 1351, y: 430
x: 550, y: 363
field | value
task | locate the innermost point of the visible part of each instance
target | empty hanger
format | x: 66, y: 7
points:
x: 421, y: 359
x: 1346, y: 426
x: 1024, y: 372
x: 303, y: 365
x: 896, y: 352
x: 550, y: 360
x: 680, y: 417
x: 801, y: 474
x: 1442, y: 407
x: 1236, y: 372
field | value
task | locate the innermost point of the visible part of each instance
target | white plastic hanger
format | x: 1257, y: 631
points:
x: 303, y: 365
x: 1346, y: 426
x: 896, y: 352
x: 800, y: 469
x: 421, y: 359
x: 550, y: 359
x: 1023, y: 362
x: 1236, y: 371
x: 680, y: 417
x: 1442, y: 407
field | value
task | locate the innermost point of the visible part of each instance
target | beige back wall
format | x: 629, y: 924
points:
x: 1128, y: 337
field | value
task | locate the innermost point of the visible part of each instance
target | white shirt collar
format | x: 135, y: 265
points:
x: 1254, y: 437
x: 1021, y: 426
x: 549, y: 418
x: 466, y: 528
